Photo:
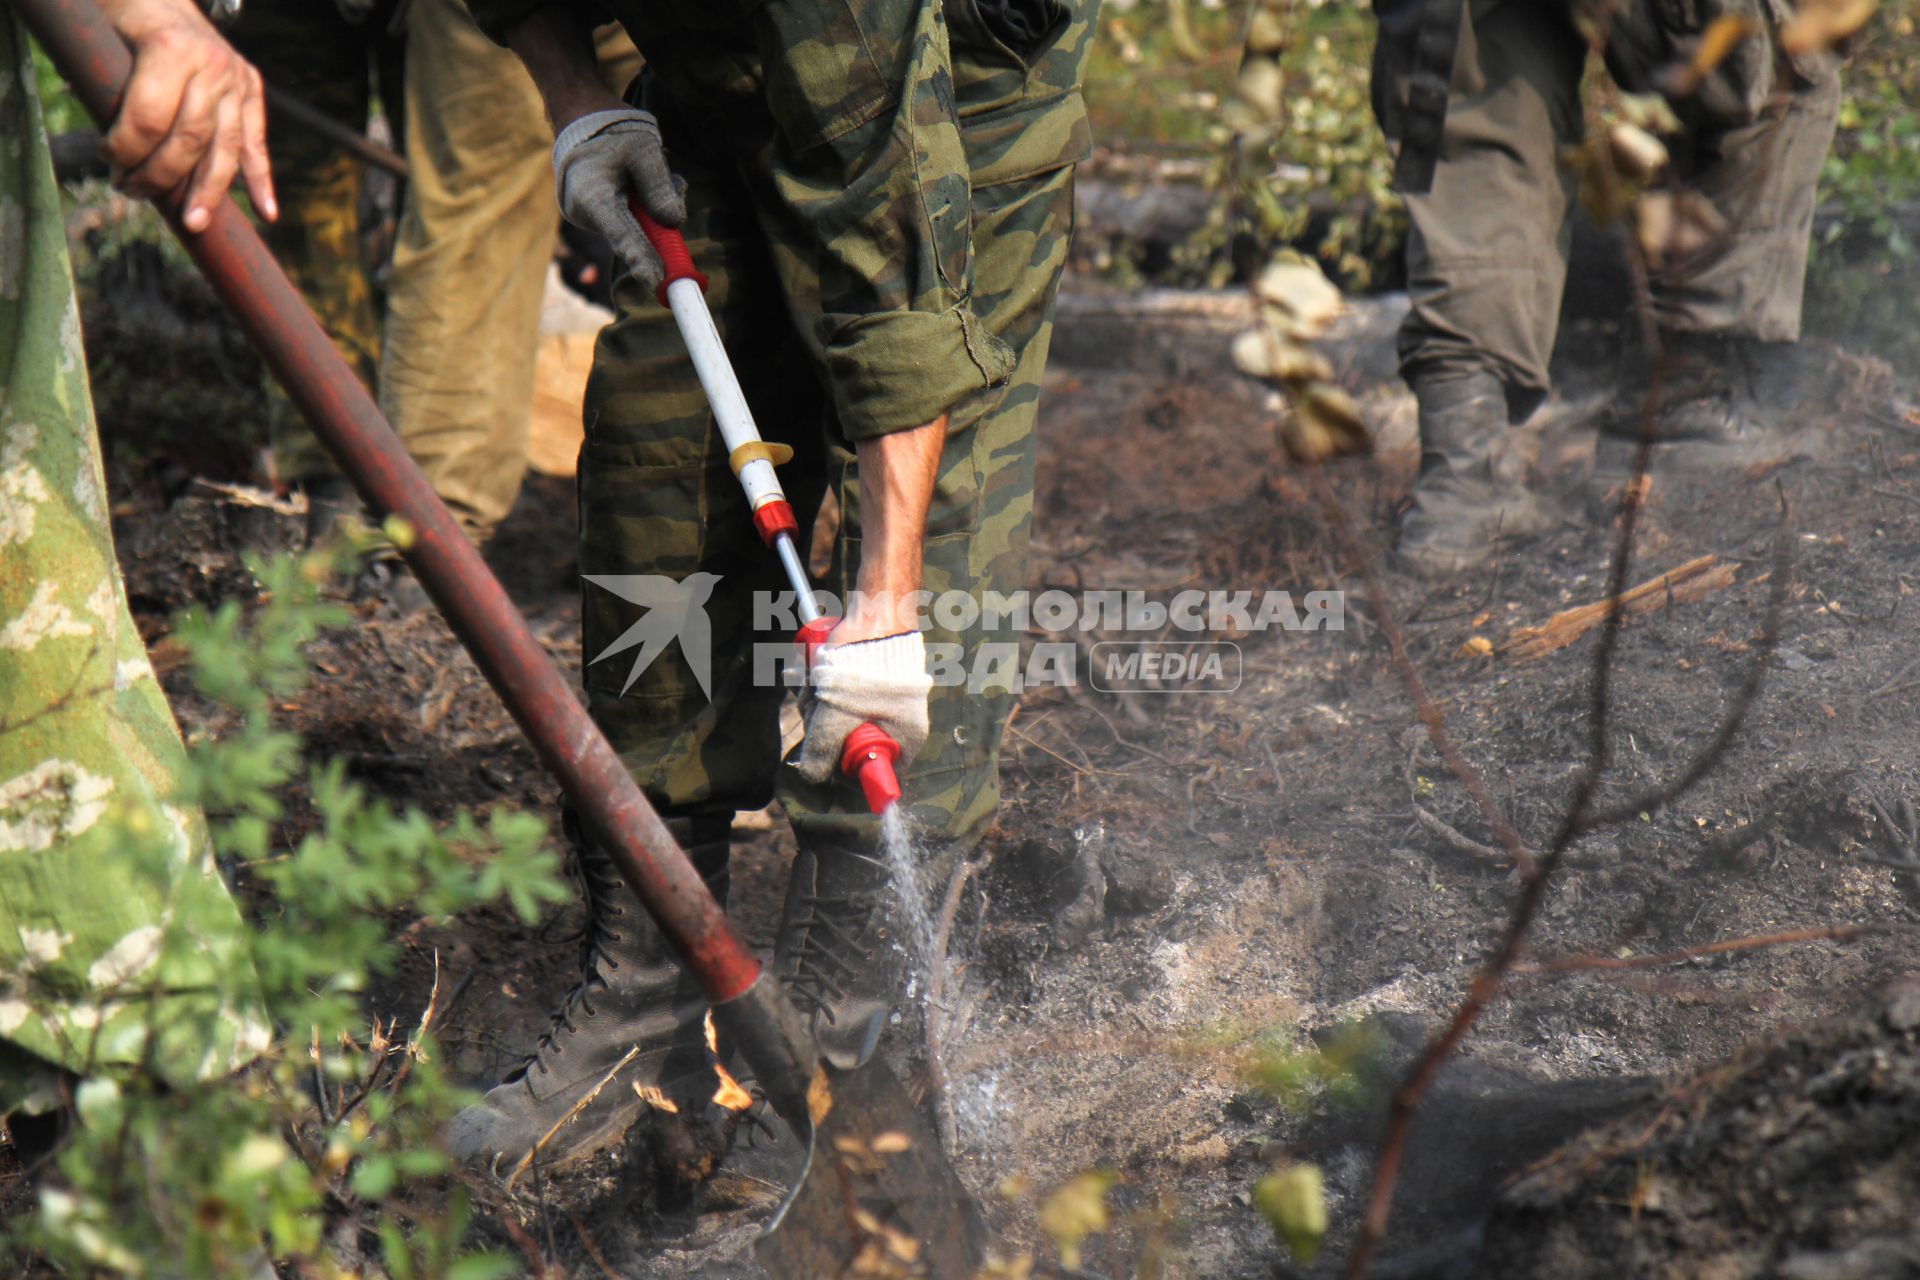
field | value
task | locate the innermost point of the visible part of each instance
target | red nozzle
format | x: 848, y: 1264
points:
x: 869, y: 758
x: 773, y: 518
x: 870, y: 753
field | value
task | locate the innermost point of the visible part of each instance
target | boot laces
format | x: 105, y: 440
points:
x: 831, y: 950
x: 600, y: 885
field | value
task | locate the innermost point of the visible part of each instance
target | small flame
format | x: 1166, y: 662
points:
x: 653, y: 1097
x: 729, y: 1094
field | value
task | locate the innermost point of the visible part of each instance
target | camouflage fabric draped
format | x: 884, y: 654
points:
x: 118, y: 941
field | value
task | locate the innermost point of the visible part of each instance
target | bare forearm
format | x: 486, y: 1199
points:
x: 897, y: 473
x: 557, y: 49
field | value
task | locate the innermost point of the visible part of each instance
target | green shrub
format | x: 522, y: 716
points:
x: 332, y: 1130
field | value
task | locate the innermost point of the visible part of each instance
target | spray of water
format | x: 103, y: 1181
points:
x: 913, y: 895
x: 972, y: 1102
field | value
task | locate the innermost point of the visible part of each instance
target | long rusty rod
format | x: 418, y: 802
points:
x: 96, y: 62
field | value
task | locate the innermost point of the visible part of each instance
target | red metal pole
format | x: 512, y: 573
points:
x: 93, y: 58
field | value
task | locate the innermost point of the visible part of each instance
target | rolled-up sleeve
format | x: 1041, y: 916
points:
x: 873, y: 229
x: 892, y: 370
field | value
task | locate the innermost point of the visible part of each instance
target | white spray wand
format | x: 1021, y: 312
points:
x: 871, y: 752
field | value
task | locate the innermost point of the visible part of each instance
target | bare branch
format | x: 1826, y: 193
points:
x: 1425, y: 707
x: 1437, y: 826
x: 1486, y: 984
x: 1600, y: 961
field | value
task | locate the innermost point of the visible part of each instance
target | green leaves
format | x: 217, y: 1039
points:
x: 201, y: 1177
x: 1294, y: 1202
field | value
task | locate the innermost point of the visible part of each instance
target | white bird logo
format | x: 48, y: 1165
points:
x: 673, y: 609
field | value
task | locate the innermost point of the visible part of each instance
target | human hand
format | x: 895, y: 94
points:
x: 883, y: 682
x: 603, y: 160
x: 193, y: 112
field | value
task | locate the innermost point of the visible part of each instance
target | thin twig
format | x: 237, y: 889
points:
x: 320, y: 1080
x: 1438, y: 826
x: 593, y: 1250
x: 1425, y: 707
x: 572, y: 1111
x: 1565, y: 965
x: 419, y: 1033
x: 1898, y: 682
x: 1077, y: 768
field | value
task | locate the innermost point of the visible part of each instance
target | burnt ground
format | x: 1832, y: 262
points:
x: 1178, y: 880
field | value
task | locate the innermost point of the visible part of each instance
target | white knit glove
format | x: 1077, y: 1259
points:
x: 601, y: 159
x: 884, y: 681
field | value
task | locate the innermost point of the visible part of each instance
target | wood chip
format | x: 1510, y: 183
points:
x: 1691, y: 581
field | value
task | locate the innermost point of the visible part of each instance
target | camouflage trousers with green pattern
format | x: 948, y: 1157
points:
x: 313, y: 54
x: 119, y: 943
x: 657, y: 495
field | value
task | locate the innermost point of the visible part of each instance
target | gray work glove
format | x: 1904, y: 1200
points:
x: 598, y: 162
x: 884, y: 681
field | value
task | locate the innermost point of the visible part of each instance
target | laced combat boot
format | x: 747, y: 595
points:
x: 1472, y: 491
x: 632, y: 993
x: 837, y: 953
x: 1726, y: 402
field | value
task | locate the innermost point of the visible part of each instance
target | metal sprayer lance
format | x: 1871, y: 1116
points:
x: 870, y: 753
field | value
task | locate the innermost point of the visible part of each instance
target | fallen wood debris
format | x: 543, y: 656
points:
x: 1692, y: 580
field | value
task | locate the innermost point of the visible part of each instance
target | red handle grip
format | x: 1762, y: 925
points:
x: 672, y: 248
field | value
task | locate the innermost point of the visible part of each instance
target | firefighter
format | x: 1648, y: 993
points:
x: 1479, y: 99
x: 882, y: 208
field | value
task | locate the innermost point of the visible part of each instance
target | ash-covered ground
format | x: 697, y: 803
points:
x: 1182, y: 884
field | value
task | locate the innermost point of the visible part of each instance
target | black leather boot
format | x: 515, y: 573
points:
x: 1472, y: 492
x: 837, y: 953
x: 631, y: 994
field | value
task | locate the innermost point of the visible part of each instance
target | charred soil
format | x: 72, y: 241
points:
x: 1177, y: 876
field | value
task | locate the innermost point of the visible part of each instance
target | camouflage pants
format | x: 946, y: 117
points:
x: 1487, y: 251
x: 657, y: 495
x: 117, y: 936
x: 307, y: 49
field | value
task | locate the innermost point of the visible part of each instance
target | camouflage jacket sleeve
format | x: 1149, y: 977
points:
x: 875, y: 192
